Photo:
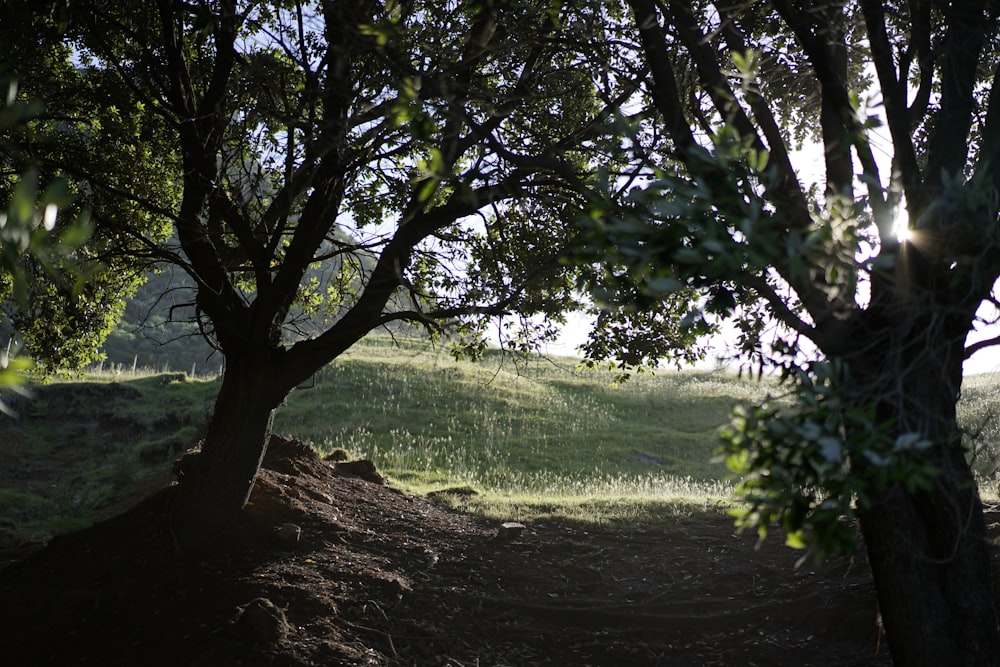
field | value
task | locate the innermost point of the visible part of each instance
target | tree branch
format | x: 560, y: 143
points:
x: 989, y: 151
x: 981, y: 345
x: 791, y: 207
x: 663, y: 84
x: 779, y: 306
x: 920, y: 13
x: 836, y: 96
x: 201, y: 138
x: 963, y: 43
x: 778, y: 152
x: 894, y: 93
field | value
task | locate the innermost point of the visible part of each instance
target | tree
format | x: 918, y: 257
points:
x: 30, y: 245
x: 733, y: 89
x: 54, y: 291
x: 22, y: 231
x: 434, y: 153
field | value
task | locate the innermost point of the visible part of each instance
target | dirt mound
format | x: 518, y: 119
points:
x: 343, y: 571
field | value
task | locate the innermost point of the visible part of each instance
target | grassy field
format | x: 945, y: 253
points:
x: 509, y: 437
x: 79, y: 448
x: 979, y: 415
x: 528, y: 435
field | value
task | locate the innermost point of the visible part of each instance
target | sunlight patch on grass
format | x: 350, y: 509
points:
x: 424, y: 413
x: 533, y: 436
x: 630, y: 511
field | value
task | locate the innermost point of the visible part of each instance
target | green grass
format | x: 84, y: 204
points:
x: 979, y: 414
x: 532, y: 437
x: 531, y: 432
x: 79, y: 448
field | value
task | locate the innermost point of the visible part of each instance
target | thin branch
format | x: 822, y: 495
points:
x: 981, y: 345
x: 894, y: 92
x: 836, y: 95
x: 963, y: 44
x: 779, y: 306
x: 663, y: 84
x: 920, y: 34
x: 778, y: 153
x: 989, y: 152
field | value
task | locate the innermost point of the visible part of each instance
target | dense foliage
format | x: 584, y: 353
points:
x: 322, y: 169
x: 34, y: 257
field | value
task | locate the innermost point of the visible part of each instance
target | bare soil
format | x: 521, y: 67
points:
x: 377, y: 577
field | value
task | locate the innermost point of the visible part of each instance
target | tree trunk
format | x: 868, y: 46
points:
x: 930, y: 562
x: 213, y: 494
x: 927, y: 550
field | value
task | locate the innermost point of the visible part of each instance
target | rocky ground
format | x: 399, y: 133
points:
x: 370, y: 576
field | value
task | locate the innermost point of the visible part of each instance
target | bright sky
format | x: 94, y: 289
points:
x: 987, y: 360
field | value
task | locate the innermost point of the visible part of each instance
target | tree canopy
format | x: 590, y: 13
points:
x: 33, y: 257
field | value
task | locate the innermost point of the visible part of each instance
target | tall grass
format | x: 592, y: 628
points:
x: 79, y: 448
x: 537, y: 429
x: 979, y: 416
x: 527, y: 427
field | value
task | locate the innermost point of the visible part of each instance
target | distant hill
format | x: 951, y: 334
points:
x: 158, y: 330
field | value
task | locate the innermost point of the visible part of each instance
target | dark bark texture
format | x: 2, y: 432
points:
x: 928, y: 551
x: 216, y: 488
x: 930, y: 560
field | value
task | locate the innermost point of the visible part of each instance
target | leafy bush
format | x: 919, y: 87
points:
x: 798, y: 464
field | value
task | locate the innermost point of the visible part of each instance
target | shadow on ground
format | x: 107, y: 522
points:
x: 381, y: 578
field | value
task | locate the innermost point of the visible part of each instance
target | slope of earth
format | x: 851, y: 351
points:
x: 380, y: 578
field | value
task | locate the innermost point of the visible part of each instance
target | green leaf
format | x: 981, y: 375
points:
x: 910, y: 441
x: 426, y: 190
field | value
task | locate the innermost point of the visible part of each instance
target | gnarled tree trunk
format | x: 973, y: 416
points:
x: 214, y: 492
x: 929, y: 559
x: 928, y: 550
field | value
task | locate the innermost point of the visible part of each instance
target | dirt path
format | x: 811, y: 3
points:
x: 380, y: 578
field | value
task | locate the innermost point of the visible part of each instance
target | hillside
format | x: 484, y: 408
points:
x: 528, y: 431
x: 158, y: 329
x: 359, y: 574
x: 523, y: 436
